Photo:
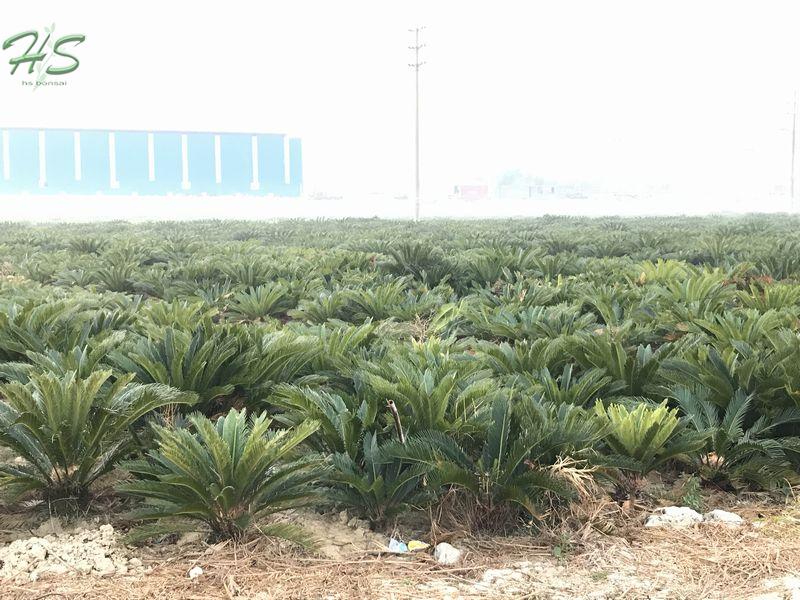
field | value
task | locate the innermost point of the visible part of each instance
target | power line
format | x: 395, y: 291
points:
x: 416, y: 65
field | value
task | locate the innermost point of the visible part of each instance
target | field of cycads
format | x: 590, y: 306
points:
x: 541, y: 380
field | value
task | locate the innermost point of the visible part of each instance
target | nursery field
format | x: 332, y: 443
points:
x: 310, y: 409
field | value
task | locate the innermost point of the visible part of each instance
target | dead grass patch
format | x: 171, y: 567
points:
x: 707, y: 561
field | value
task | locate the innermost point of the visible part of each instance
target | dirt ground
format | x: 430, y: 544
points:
x: 758, y: 560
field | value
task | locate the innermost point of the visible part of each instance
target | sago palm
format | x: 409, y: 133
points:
x: 742, y: 448
x: 261, y: 302
x: 581, y: 390
x: 207, y: 361
x: 374, y: 484
x: 71, y: 430
x: 501, y: 479
x: 83, y: 360
x: 641, y: 439
x: 343, y: 419
x: 224, y: 474
x: 432, y: 389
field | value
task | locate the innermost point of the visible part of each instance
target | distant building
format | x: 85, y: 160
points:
x: 471, y: 192
x: 517, y: 185
x: 149, y: 163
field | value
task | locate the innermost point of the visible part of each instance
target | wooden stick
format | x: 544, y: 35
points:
x: 397, y: 424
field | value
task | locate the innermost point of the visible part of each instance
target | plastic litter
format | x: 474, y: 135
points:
x: 417, y: 545
x: 445, y: 554
x: 397, y: 546
x: 195, y: 572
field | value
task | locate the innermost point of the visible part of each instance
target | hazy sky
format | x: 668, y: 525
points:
x: 623, y: 93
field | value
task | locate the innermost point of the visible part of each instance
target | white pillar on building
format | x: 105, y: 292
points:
x: 185, y: 183
x: 254, y: 185
x: 151, y: 158
x: 287, y: 161
x: 76, y: 152
x: 112, y: 161
x: 42, y: 160
x: 217, y: 160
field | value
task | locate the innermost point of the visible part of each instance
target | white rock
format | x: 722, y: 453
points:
x: 195, y: 572
x: 37, y: 551
x: 105, y: 566
x: 674, y: 516
x: 83, y: 567
x: 490, y: 575
x: 723, y: 516
x: 83, y: 551
x: 787, y: 587
x: 134, y: 563
x: 445, y: 554
x: 769, y: 596
x: 54, y: 569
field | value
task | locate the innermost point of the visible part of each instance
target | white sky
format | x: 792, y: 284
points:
x: 627, y: 94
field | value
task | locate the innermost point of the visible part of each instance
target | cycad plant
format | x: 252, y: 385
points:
x: 374, y: 484
x: 71, y: 430
x: 642, y: 439
x: 635, y: 371
x: 325, y: 305
x: 558, y: 429
x: 522, y: 361
x: 433, y: 389
x: 360, y: 477
x: 83, y: 360
x: 758, y: 371
x: 37, y: 326
x: 742, y: 449
x: 776, y: 297
x: 343, y: 419
x: 178, y: 314
x: 87, y: 245
x: 525, y: 323
x: 116, y: 277
x: 499, y: 480
x: 261, y: 302
x: 580, y: 391
x: 750, y: 326
x: 341, y: 349
x: 224, y: 474
x: 393, y: 299
x: 424, y: 262
x: 206, y: 361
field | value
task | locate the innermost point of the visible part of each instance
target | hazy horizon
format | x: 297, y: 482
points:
x: 688, y: 101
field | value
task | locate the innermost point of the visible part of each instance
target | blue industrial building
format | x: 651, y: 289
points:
x: 53, y: 161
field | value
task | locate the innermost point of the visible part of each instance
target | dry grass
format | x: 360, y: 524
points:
x: 702, y: 562
x: 708, y: 561
x: 258, y: 570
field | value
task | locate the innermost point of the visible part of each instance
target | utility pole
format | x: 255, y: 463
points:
x: 416, y: 65
x: 794, y: 130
